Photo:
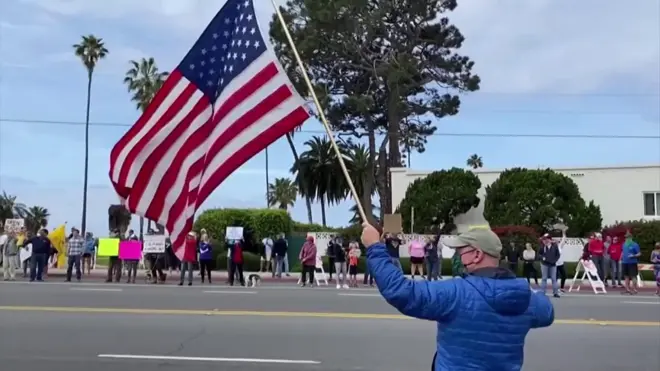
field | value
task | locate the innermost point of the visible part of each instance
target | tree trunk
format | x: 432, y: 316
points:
x: 267, y: 180
x: 323, y: 211
x: 308, y: 201
x: 383, y: 183
x: 371, y: 169
x: 83, y: 223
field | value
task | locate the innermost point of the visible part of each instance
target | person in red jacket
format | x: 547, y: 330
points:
x: 236, y: 263
x: 189, y: 258
x: 615, y: 250
x: 597, y: 252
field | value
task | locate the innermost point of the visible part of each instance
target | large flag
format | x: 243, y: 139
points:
x: 225, y: 102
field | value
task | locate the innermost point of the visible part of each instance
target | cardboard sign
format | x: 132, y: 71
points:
x: 234, y: 233
x: 108, y: 247
x: 26, y: 252
x: 130, y: 250
x: 393, y: 224
x: 154, y: 244
x: 14, y: 225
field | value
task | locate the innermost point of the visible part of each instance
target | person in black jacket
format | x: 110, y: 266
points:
x: 393, y: 243
x: 549, y: 255
x: 280, y: 248
x: 41, y: 249
x: 512, y: 256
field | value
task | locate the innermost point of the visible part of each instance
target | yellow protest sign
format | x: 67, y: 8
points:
x: 108, y: 247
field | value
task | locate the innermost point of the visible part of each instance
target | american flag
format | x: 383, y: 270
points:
x: 225, y: 102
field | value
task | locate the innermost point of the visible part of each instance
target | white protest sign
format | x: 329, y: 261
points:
x: 154, y: 245
x: 14, y: 225
x: 26, y: 252
x: 234, y: 233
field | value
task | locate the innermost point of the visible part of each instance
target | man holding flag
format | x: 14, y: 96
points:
x: 224, y: 103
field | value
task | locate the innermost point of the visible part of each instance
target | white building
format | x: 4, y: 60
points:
x: 623, y: 193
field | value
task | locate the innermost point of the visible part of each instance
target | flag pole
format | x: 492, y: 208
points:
x: 317, y: 103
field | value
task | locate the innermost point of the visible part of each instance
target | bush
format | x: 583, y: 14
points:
x: 251, y: 262
x: 256, y: 223
x: 645, y: 232
x: 306, y: 227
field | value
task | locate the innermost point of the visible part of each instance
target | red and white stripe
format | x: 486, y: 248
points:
x: 182, y: 148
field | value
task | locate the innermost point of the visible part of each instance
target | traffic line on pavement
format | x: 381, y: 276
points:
x: 95, y: 289
x: 248, y: 313
x: 642, y: 302
x: 359, y: 295
x: 210, y: 359
x: 229, y: 292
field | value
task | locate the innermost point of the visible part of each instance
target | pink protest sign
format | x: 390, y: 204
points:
x: 130, y: 250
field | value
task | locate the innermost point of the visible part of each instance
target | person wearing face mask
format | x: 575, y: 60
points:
x: 549, y: 254
x: 483, y: 317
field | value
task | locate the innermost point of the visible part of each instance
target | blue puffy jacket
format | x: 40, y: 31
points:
x: 483, y: 318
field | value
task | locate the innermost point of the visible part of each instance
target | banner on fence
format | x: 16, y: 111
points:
x: 154, y: 244
x: 234, y: 233
x: 130, y: 250
x: 108, y: 247
x: 14, y: 225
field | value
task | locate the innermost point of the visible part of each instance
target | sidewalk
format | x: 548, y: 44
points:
x: 100, y: 274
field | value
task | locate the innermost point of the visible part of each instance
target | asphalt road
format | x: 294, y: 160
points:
x: 76, y: 327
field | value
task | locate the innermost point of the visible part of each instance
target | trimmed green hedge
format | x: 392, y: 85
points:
x: 252, y: 264
x: 256, y: 223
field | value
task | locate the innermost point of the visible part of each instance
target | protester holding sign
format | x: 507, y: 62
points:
x: 189, y: 258
x: 482, y: 318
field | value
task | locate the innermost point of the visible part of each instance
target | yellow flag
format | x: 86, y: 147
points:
x: 58, y: 238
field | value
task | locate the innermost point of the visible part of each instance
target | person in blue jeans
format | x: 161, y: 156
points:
x: 655, y: 259
x: 629, y: 261
x: 549, y: 255
x: 41, y: 248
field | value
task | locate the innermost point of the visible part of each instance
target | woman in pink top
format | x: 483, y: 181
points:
x: 416, y: 252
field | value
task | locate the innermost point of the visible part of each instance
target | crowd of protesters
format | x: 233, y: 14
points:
x: 615, y: 259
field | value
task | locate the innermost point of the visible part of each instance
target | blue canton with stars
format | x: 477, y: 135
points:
x: 230, y: 43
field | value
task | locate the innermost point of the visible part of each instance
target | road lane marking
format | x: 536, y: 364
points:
x: 94, y: 289
x: 210, y: 359
x: 359, y: 295
x: 228, y: 292
x: 642, y: 302
x: 248, y: 313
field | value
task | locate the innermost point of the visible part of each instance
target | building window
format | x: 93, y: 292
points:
x: 652, y: 204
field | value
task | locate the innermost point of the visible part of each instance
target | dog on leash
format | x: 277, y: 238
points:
x: 253, y: 280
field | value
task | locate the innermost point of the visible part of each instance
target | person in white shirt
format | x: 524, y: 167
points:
x: 3, y: 241
x: 267, y: 258
x: 529, y: 259
x: 561, y: 270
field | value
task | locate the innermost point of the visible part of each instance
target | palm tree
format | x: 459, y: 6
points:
x: 10, y: 208
x: 318, y: 173
x: 475, y: 161
x: 90, y: 50
x: 308, y: 200
x: 359, y: 171
x: 144, y: 80
x: 282, y: 193
x: 357, y: 219
x: 35, y: 218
